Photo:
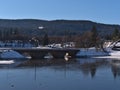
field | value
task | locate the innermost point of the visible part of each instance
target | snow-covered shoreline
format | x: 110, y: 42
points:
x: 91, y: 52
x: 10, y: 54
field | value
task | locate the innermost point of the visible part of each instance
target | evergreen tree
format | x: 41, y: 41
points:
x: 11, y: 31
x: 0, y: 34
x: 16, y: 31
x: 45, y: 39
x: 108, y: 37
x: 94, y: 36
x: 116, y: 34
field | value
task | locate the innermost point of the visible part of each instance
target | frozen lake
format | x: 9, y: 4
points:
x: 58, y: 74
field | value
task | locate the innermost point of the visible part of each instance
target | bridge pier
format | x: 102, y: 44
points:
x: 60, y: 53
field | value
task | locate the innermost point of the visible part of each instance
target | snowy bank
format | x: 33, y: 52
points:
x: 90, y: 52
x: 10, y: 54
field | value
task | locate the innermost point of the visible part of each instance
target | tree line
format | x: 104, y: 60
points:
x: 91, y: 38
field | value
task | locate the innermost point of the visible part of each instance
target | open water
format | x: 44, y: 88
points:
x: 58, y: 74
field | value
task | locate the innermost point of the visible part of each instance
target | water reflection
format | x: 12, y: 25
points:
x: 90, y: 66
x: 52, y: 74
x: 86, y: 66
x: 115, y: 67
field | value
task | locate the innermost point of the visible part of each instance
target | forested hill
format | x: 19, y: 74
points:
x: 54, y: 27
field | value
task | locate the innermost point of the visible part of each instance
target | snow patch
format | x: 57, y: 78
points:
x: 6, y: 62
x: 112, y: 57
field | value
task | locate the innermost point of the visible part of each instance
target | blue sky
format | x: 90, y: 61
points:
x: 103, y: 11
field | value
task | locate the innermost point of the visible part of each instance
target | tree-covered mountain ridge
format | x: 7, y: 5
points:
x: 54, y: 27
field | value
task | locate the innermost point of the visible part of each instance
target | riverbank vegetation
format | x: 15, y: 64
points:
x: 91, y: 38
